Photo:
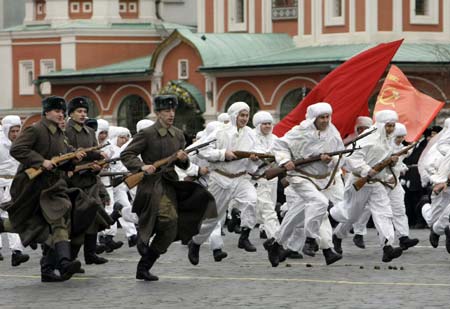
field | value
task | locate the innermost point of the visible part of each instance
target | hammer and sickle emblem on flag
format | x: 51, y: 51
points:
x: 388, y: 96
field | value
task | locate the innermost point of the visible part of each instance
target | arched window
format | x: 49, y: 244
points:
x: 93, y: 109
x: 292, y: 99
x: 132, y: 109
x: 247, y: 97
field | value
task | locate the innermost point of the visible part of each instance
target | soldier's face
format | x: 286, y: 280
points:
x: 322, y: 122
x: 242, y: 119
x: 266, y: 128
x: 79, y: 115
x: 121, y: 140
x: 361, y: 129
x: 13, y: 133
x: 166, y: 116
x: 55, y: 115
x: 399, y: 139
x: 102, y: 136
x: 389, y: 127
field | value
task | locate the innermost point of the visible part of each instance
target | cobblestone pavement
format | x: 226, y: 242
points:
x: 242, y: 280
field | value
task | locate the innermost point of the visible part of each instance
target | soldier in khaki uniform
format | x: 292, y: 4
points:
x: 40, y: 208
x: 81, y: 136
x: 159, y: 201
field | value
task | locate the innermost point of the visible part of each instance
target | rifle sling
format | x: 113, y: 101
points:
x: 384, y: 183
x: 229, y: 175
x: 330, y: 181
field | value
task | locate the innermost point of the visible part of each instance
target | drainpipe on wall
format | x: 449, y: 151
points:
x: 157, y: 7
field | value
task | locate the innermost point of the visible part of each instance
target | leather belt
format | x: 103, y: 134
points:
x: 312, y: 175
x: 229, y: 175
x: 7, y: 176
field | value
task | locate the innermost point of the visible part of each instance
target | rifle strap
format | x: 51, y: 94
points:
x: 384, y: 183
x: 330, y: 181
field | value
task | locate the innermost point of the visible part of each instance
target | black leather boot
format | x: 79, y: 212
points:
x: 273, y: 251
x: 90, y: 242
x: 337, y: 244
x: 110, y: 244
x: 1, y: 257
x: 434, y: 239
x: 358, y: 240
x: 405, y: 242
x: 262, y: 234
x: 132, y: 241
x: 117, y: 211
x: 219, y: 255
x: 447, y: 238
x: 330, y: 256
x: 48, y: 263
x: 67, y: 267
x: 390, y: 253
x: 145, y: 264
x: 309, y: 246
x: 193, y: 252
x: 244, y: 242
x: 17, y: 258
x: 235, y: 221
x: 2, y: 227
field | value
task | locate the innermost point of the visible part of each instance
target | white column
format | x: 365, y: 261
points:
x: 57, y: 10
x: 251, y: 16
x: 6, y: 74
x: 397, y: 15
x: 201, y: 16
x: 352, y: 16
x: 301, y: 18
x: 267, y: 16
x: 29, y: 11
x: 2, y: 9
x: 371, y: 18
x: 106, y: 10
x: 219, y: 16
x: 68, y: 53
x: 147, y: 9
x: 156, y: 83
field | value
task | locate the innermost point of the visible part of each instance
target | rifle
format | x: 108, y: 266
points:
x: 361, y: 136
x: 59, y: 160
x: 275, y: 171
x: 247, y: 154
x: 90, y: 165
x: 116, y: 178
x: 380, y: 166
x: 134, y: 179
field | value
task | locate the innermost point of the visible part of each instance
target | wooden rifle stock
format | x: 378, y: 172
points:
x: 276, y: 171
x: 247, y: 154
x: 380, y: 166
x: 58, y: 160
x: 90, y: 165
x: 134, y: 179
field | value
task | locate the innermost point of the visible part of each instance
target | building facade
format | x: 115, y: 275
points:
x: 269, y: 53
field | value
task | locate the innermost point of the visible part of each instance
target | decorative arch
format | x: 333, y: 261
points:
x: 31, y: 119
x: 130, y: 110
x: 92, y: 91
x: 245, y: 96
x: 250, y: 87
x: 278, y: 90
x: 145, y: 92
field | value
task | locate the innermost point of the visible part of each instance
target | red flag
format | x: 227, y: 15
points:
x: 347, y: 89
x: 415, y: 109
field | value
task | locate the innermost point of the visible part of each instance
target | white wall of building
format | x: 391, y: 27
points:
x: 179, y: 11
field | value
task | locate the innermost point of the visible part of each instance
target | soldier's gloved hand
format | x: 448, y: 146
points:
x: 203, y: 171
x: 439, y: 187
x: 290, y: 166
x: 229, y: 155
x: 80, y: 155
x: 182, y: 156
x: 48, y: 165
x: 95, y: 167
x: 254, y: 157
x: 149, y: 169
x: 325, y: 158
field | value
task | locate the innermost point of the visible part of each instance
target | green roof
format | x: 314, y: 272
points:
x: 194, y: 92
x: 222, y: 49
x: 138, y: 65
x: 408, y: 53
x: 92, y: 24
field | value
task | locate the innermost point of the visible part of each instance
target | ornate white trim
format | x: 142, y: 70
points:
x: 275, y: 92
